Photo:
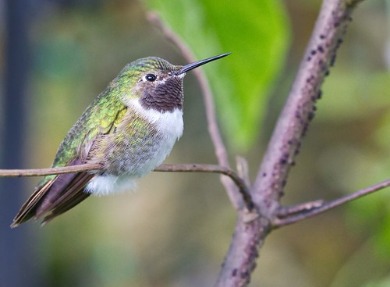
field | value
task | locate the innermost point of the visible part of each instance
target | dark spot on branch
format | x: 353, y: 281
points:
x: 244, y: 275
x: 339, y: 42
x: 284, y: 159
x: 326, y: 73
x: 311, y: 116
x: 333, y: 59
x: 297, y: 148
x: 234, y: 272
x: 337, y: 21
x: 304, y: 130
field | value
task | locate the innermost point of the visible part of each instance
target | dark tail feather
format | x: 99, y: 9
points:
x: 27, y: 211
x: 65, y: 199
x: 54, y: 198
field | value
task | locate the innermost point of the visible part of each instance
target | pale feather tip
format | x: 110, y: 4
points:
x: 107, y: 184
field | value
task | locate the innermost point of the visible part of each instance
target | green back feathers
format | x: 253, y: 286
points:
x: 104, y: 111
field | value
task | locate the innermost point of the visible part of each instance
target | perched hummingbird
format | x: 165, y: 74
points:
x: 130, y: 128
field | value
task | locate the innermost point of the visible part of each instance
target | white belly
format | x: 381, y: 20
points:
x: 170, y: 127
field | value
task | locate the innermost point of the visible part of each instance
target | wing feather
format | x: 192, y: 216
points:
x: 57, y: 194
x: 27, y: 210
x: 54, y: 197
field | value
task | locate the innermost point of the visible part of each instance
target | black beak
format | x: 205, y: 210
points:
x: 194, y: 65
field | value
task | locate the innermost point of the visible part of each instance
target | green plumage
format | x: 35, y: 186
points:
x: 129, y: 129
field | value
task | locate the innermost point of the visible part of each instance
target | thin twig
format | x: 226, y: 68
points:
x: 215, y: 134
x: 50, y: 171
x: 286, y: 211
x: 294, y: 217
x: 211, y: 168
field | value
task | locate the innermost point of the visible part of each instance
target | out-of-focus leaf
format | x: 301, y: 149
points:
x: 255, y: 33
x: 348, y: 95
x: 385, y: 282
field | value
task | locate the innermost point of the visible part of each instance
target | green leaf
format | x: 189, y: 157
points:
x: 256, y: 34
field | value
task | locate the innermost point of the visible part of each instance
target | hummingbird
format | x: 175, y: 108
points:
x: 129, y: 129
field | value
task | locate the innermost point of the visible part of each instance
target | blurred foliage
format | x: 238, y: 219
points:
x: 175, y: 230
x: 257, y: 37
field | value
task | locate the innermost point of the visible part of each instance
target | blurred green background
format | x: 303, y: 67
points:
x: 176, y: 228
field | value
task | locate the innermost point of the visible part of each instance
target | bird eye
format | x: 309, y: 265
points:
x: 150, y: 77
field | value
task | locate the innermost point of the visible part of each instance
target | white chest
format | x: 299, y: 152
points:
x: 169, y: 126
x: 168, y: 123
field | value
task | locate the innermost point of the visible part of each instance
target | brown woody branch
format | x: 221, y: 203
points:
x: 285, y: 142
x: 300, y: 108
